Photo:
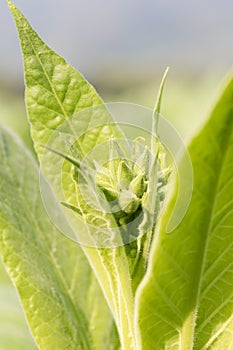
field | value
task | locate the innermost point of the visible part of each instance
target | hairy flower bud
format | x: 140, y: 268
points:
x: 128, y: 201
x: 124, y: 174
x: 138, y: 185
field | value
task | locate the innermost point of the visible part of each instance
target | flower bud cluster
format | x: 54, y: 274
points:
x: 126, y: 186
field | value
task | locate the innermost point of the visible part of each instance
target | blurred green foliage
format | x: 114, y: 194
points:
x: 13, y: 113
x: 186, y: 101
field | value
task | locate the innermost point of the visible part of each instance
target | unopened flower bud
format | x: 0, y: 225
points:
x: 124, y: 174
x: 138, y: 185
x: 128, y: 201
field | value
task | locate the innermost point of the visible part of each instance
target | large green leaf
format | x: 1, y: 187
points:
x: 58, y: 291
x: 186, y: 300
x: 55, y: 92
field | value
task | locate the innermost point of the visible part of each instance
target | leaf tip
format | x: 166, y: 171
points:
x: 14, y: 10
x: 157, y: 106
x: 11, y: 5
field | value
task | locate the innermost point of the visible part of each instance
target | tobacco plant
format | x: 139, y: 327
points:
x: 120, y: 280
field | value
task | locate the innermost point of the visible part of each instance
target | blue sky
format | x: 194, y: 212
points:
x: 132, y: 34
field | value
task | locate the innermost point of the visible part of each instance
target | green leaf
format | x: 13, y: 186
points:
x: 186, y: 300
x: 50, y: 272
x: 14, y: 333
x: 13, y: 330
x: 55, y: 92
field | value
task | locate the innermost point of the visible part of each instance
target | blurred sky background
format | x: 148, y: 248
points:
x: 138, y: 36
x: 122, y: 47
